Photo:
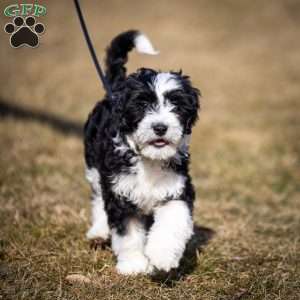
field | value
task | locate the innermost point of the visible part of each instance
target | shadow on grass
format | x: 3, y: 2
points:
x: 33, y: 115
x: 202, y: 235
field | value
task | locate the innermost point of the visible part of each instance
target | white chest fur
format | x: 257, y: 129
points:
x: 148, y: 185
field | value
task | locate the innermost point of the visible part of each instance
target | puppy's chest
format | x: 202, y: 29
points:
x: 148, y: 185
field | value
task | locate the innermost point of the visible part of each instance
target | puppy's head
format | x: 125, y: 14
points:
x: 159, y: 111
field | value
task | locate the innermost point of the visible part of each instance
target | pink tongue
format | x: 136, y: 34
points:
x: 159, y: 142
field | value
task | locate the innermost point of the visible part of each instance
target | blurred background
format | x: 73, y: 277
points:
x: 244, y: 56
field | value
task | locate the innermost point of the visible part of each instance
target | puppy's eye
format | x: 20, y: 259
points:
x: 176, y: 101
x: 142, y: 104
x: 175, y: 98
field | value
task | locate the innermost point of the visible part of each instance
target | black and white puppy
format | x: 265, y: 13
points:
x: 136, y: 151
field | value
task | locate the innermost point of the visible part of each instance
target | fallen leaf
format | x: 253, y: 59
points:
x: 77, y: 278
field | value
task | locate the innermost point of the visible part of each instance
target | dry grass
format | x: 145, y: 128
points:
x: 244, y: 55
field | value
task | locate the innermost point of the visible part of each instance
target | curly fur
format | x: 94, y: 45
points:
x: 136, y: 152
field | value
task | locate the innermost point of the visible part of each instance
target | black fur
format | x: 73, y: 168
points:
x: 117, y: 55
x: 109, y: 119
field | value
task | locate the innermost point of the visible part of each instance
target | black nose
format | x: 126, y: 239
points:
x: 160, y: 128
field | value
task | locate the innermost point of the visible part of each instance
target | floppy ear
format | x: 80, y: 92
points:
x: 191, y: 103
x: 117, y: 109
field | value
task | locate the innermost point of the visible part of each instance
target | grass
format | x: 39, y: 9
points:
x: 245, y: 58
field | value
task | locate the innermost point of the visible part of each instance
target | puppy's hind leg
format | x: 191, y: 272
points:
x: 99, y: 228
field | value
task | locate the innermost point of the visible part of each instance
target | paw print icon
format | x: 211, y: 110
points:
x: 24, y: 32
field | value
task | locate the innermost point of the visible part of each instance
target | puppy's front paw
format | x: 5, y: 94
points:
x: 133, y: 265
x: 161, y: 258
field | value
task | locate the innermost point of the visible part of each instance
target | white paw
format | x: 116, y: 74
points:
x: 134, y: 265
x: 161, y: 258
x: 98, y: 231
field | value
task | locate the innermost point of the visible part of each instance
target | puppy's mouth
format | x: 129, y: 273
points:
x: 159, y: 143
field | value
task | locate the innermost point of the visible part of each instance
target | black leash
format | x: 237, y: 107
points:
x: 92, y: 50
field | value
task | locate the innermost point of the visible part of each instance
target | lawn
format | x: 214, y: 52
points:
x: 245, y: 58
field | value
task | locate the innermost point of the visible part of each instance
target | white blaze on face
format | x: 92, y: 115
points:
x: 165, y: 82
x: 162, y: 113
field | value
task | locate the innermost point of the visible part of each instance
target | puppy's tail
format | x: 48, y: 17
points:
x: 117, y: 53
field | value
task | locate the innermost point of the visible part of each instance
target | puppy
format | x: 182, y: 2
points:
x: 136, y: 153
